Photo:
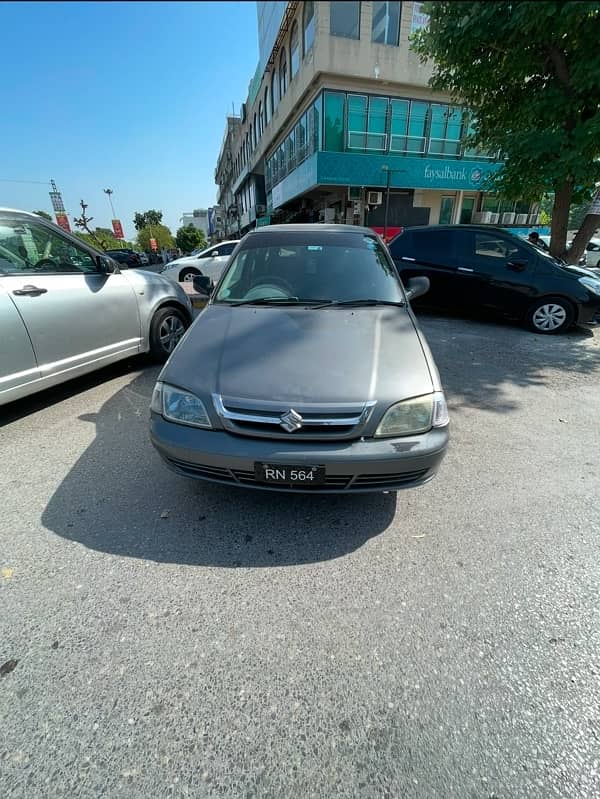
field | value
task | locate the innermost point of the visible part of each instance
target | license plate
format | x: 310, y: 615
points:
x: 289, y: 475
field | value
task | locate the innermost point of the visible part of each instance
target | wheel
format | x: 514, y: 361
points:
x: 166, y: 330
x: 188, y: 274
x: 550, y: 315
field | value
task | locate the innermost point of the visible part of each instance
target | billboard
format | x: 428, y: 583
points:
x: 118, y: 229
x: 153, y: 245
x: 62, y: 220
x: 57, y: 202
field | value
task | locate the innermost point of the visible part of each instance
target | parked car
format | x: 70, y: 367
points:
x: 127, y: 258
x: 144, y: 260
x: 315, y: 375
x: 592, y: 252
x: 67, y: 309
x: 210, y: 261
x: 485, y: 268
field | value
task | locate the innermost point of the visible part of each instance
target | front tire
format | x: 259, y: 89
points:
x: 550, y: 315
x: 188, y: 274
x: 166, y: 330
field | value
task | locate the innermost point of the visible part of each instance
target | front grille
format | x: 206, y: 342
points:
x: 333, y: 482
x: 263, y: 419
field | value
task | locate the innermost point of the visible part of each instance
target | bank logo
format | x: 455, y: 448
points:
x: 476, y: 175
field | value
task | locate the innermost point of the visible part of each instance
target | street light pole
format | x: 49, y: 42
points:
x: 109, y: 193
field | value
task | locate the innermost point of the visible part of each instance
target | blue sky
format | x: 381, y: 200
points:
x: 127, y: 96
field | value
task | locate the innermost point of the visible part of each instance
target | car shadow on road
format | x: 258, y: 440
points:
x: 480, y: 360
x: 119, y: 498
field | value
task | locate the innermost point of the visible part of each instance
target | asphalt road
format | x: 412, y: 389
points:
x: 179, y: 639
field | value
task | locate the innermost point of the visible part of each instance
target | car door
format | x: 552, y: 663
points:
x: 501, y: 271
x: 18, y: 365
x: 74, y: 313
x: 214, y: 261
x: 429, y: 253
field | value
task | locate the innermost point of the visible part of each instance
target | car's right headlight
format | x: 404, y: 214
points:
x: 413, y: 416
x: 177, y: 405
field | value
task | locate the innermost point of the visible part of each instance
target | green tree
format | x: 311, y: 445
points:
x: 530, y: 73
x: 44, y: 215
x: 147, y: 219
x: 161, y: 233
x: 100, y: 239
x: 189, y: 238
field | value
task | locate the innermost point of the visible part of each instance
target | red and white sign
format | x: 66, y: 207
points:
x: 62, y: 220
x: 117, y: 229
x: 153, y: 244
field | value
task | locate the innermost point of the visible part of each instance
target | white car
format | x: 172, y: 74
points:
x: 210, y: 262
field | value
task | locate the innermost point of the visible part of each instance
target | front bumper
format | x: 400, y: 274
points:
x: 589, y: 312
x: 386, y: 464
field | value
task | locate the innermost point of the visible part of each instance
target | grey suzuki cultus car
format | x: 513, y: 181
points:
x: 306, y: 371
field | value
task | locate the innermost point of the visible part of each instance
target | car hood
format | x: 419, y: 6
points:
x: 302, y: 355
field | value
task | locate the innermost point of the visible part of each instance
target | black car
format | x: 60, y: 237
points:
x: 127, y: 258
x: 477, y: 267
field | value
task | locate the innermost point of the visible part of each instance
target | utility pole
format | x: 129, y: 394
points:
x: 389, y: 173
x: 109, y: 193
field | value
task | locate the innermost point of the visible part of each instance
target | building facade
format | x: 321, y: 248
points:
x: 198, y: 218
x: 342, y: 126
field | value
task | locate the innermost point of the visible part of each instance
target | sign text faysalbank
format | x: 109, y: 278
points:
x: 449, y: 174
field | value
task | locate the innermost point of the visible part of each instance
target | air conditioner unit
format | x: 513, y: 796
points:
x: 494, y: 219
x: 374, y: 197
x: 534, y: 219
x: 481, y: 217
x: 507, y: 219
x: 521, y: 219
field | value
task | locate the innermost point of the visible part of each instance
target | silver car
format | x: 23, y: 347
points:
x: 306, y: 371
x: 210, y: 262
x: 66, y: 309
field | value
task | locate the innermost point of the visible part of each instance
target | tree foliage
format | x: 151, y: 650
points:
x: 189, y: 238
x: 44, y: 215
x: 161, y: 233
x: 147, y: 219
x: 103, y: 240
x: 530, y: 73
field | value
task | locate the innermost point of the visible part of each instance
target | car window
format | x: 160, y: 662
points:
x: 434, y: 246
x: 226, y: 249
x: 316, y: 271
x: 31, y: 248
x: 489, y: 251
x: 401, y: 245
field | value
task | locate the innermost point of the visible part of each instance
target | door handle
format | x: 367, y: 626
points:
x: 32, y: 291
x: 464, y: 269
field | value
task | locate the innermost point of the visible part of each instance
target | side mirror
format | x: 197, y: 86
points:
x: 106, y: 265
x: 416, y: 287
x: 202, y: 284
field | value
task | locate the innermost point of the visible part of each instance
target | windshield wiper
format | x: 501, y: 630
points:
x: 276, y: 301
x: 359, y: 303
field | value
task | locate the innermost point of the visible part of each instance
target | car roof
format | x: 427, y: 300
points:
x: 314, y: 227
x: 478, y: 228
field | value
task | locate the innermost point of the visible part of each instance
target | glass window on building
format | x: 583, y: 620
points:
x: 334, y: 121
x: 267, y: 106
x: 385, y: 26
x: 309, y: 25
x: 274, y: 92
x: 446, y: 209
x: 261, y: 119
x: 282, y: 75
x: 294, y: 50
x: 446, y: 124
x: 344, y: 19
x: 399, y: 126
x: 417, y: 127
x: 290, y: 152
x: 357, y: 122
x: 466, y: 211
x: 316, y: 137
x: 301, y: 149
x: 377, y: 123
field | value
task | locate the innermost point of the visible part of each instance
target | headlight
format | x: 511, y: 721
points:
x: 413, y: 416
x: 591, y: 284
x: 179, y: 406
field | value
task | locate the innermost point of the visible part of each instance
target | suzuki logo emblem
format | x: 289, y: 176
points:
x: 291, y: 421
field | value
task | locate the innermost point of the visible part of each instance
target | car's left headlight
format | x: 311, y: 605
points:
x: 413, y: 416
x: 177, y: 405
x: 591, y: 284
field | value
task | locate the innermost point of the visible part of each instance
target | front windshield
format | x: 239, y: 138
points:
x: 351, y: 268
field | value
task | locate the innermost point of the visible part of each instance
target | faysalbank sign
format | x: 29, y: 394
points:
x: 405, y: 172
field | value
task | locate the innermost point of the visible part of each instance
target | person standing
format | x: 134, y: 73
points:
x: 165, y: 256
